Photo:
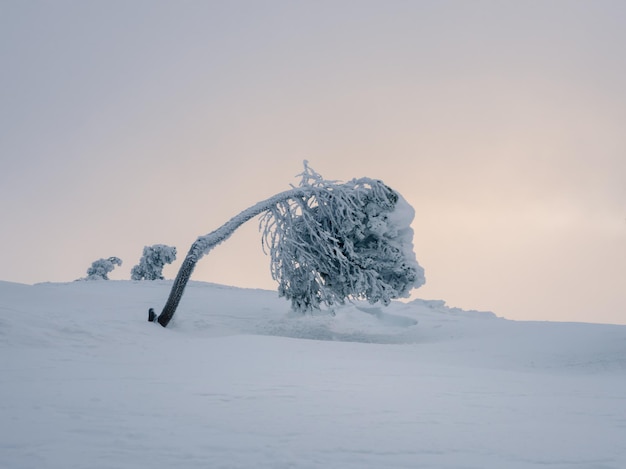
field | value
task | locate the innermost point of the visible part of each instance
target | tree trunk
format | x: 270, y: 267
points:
x: 184, y: 273
x: 204, y: 244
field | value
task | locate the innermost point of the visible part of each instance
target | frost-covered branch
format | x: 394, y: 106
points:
x: 204, y: 244
x: 341, y: 241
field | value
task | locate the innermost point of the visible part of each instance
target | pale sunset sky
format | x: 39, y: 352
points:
x: 131, y: 123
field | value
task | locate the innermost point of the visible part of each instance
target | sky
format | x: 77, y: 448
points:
x: 125, y: 124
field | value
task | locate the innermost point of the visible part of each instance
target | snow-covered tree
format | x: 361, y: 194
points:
x: 151, y: 264
x: 328, y: 242
x: 100, y: 269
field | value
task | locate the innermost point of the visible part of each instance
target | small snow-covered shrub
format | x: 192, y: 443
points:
x: 100, y: 269
x: 151, y: 264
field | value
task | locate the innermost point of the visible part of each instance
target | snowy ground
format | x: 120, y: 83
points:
x: 236, y: 382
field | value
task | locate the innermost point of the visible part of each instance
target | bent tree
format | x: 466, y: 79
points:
x: 328, y: 242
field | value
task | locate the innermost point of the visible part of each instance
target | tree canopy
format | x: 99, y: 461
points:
x: 341, y: 241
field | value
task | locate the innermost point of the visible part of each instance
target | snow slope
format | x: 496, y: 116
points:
x: 238, y: 382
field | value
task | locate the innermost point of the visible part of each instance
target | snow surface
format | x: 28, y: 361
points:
x: 236, y: 381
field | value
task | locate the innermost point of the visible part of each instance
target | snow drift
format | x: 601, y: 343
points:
x: 239, y: 382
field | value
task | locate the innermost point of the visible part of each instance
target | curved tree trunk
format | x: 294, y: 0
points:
x: 204, y: 244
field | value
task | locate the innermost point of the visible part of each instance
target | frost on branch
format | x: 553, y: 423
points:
x: 338, y: 241
x: 151, y: 264
x: 100, y: 269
